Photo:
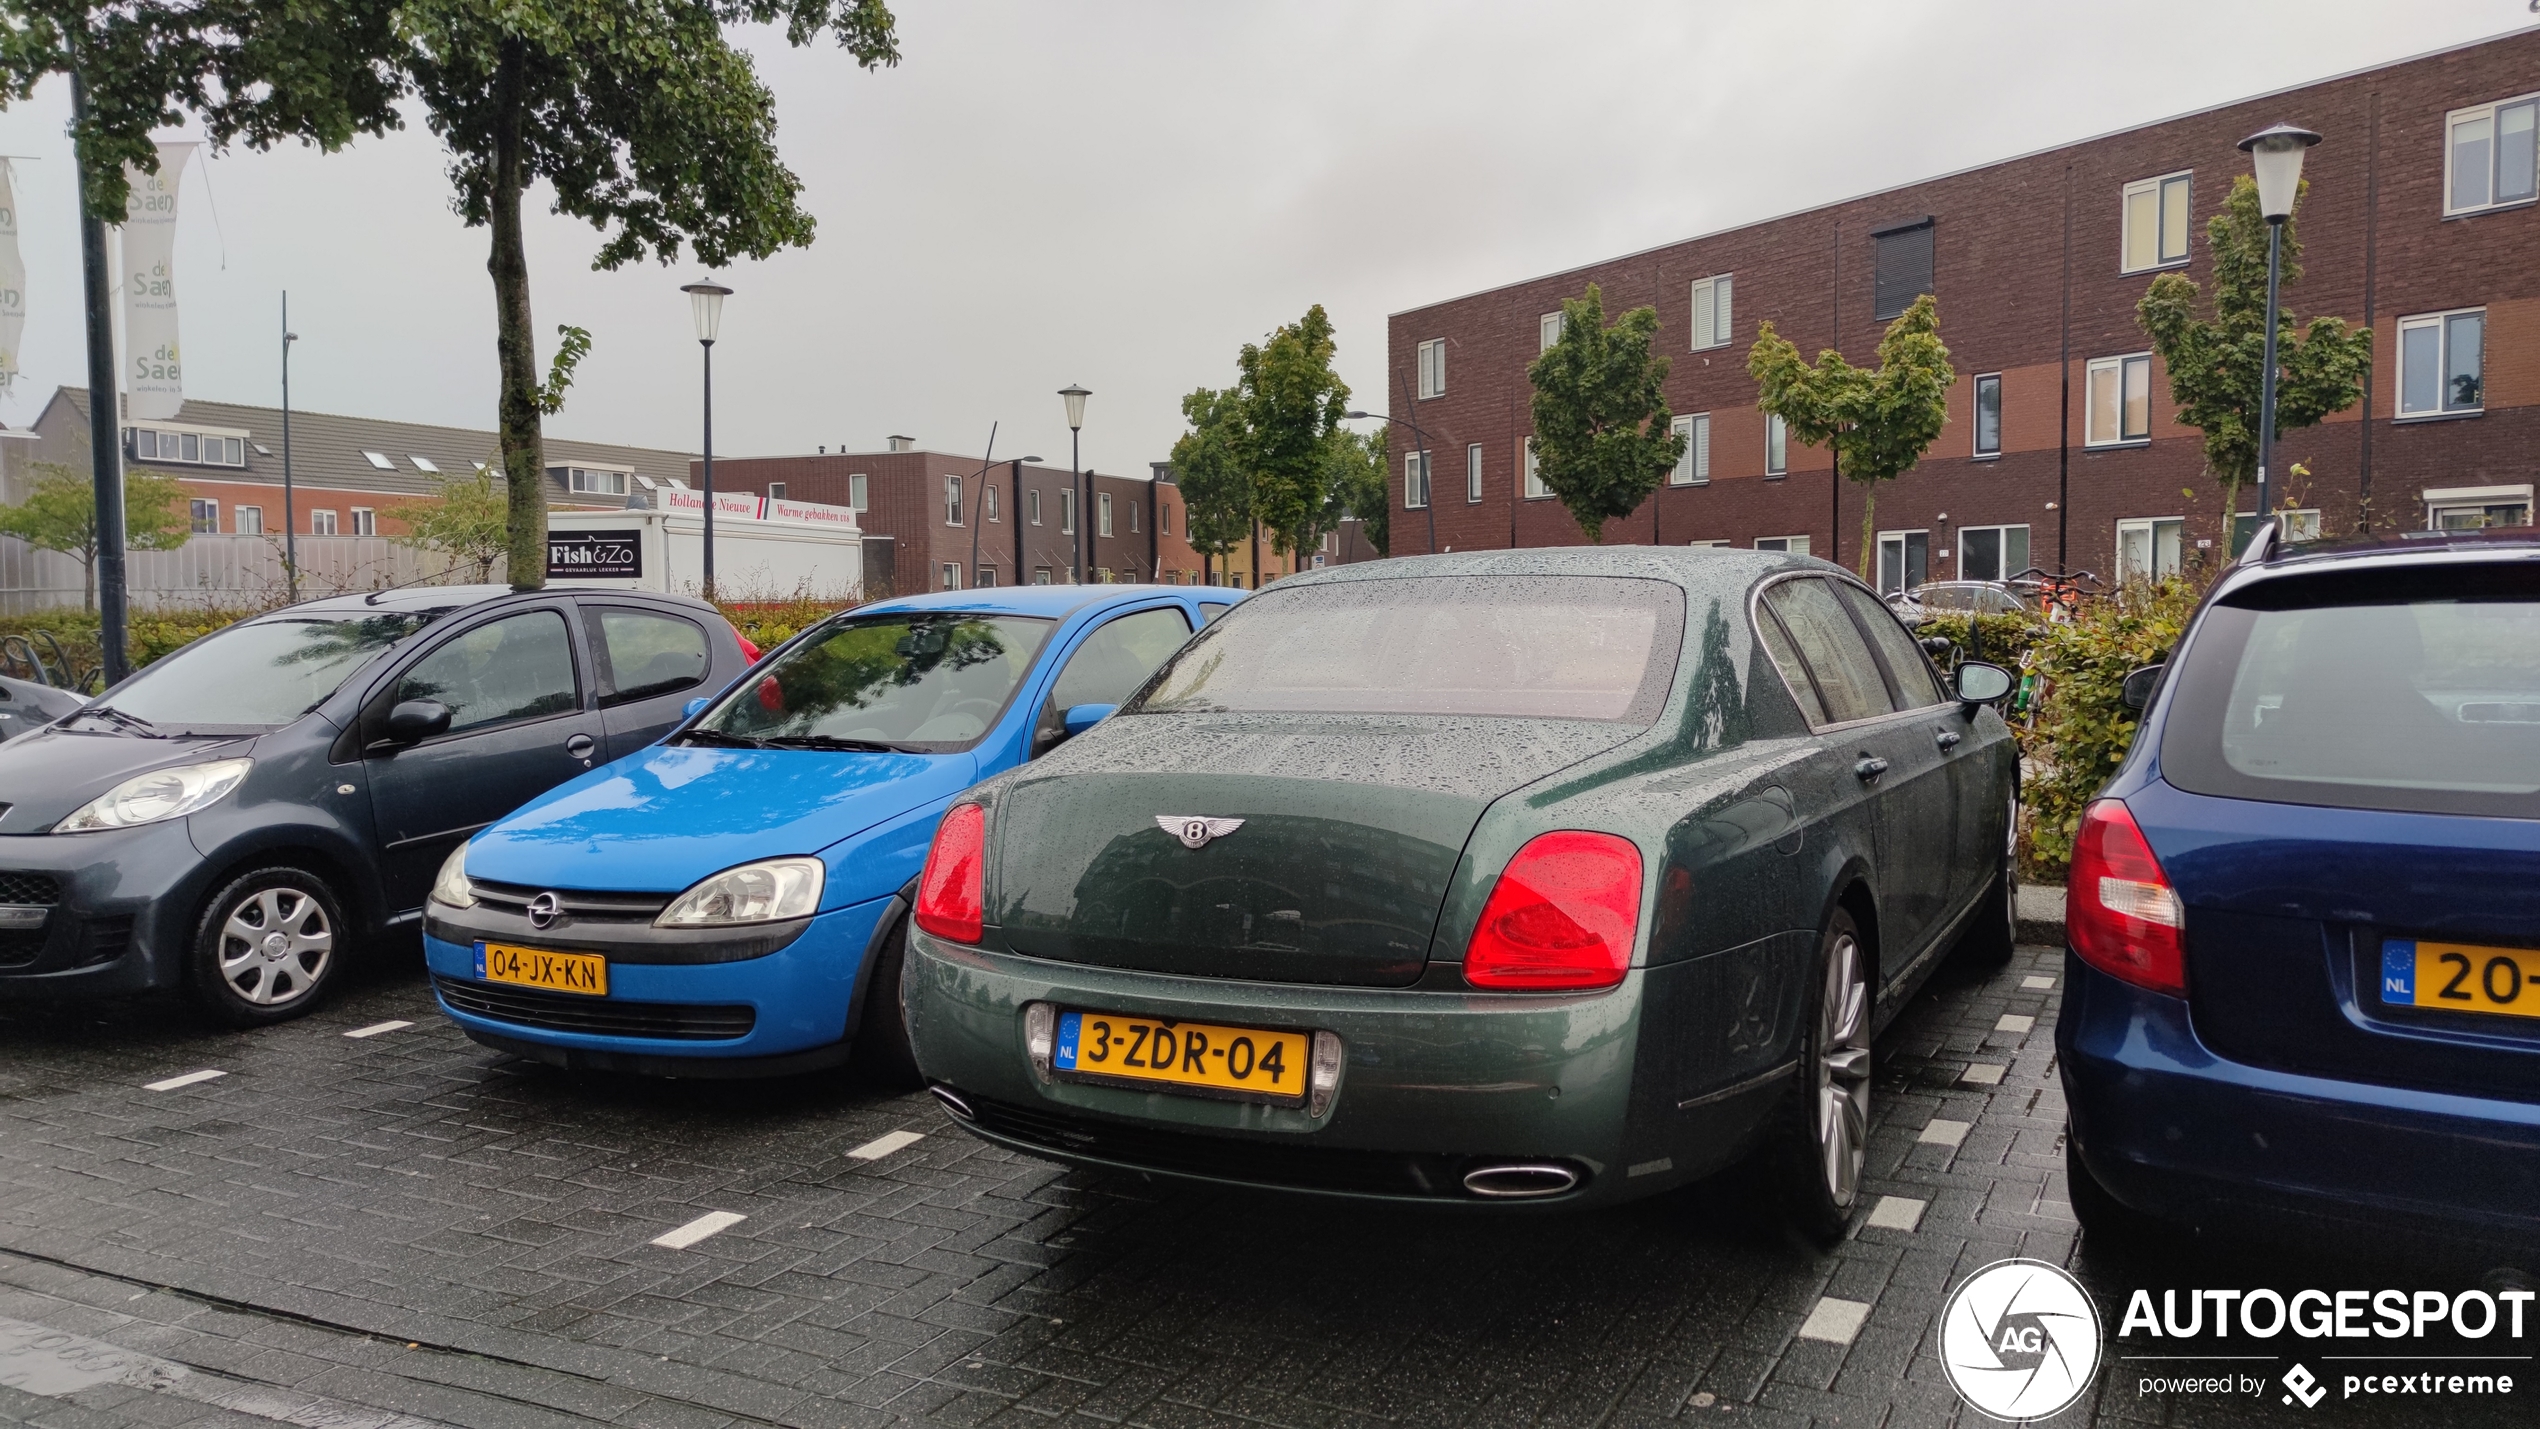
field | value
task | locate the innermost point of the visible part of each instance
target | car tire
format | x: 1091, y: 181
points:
x: 882, y: 1057
x: 1826, y: 1123
x: 2105, y: 1220
x: 266, y: 947
x: 1989, y: 939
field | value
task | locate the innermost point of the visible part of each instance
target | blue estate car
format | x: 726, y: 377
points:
x: 733, y: 900
x: 2304, y: 918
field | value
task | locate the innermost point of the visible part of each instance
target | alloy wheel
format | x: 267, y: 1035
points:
x: 275, y: 944
x: 1843, y: 1071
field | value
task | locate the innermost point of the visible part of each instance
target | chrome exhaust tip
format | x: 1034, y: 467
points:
x: 1520, y: 1181
x: 953, y: 1103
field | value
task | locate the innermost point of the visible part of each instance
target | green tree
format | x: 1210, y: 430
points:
x: 1358, y: 483
x: 1208, y: 462
x: 467, y: 520
x: 1603, y: 438
x: 1878, y: 421
x: 2217, y: 364
x: 1290, y: 402
x: 644, y: 120
x: 60, y: 514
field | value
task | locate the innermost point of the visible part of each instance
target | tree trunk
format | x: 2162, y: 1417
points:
x: 524, y: 457
x: 1870, y: 534
x: 88, y: 582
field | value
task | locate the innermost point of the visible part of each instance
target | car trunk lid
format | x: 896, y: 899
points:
x: 1350, y: 831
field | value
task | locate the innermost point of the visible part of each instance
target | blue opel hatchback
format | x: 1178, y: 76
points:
x: 733, y: 900
x: 2304, y: 918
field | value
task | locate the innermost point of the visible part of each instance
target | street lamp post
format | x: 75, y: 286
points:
x: 2276, y: 155
x: 1428, y: 478
x: 1075, y: 397
x: 705, y: 303
x: 290, y: 536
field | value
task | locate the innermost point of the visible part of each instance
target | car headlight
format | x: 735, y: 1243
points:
x: 753, y: 893
x: 159, y: 794
x: 450, y: 887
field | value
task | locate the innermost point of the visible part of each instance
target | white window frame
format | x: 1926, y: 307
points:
x: 1708, y: 311
x: 2159, y: 189
x: 1711, y: 545
x: 1535, y: 490
x: 859, y: 491
x: 1067, y: 513
x: 984, y: 578
x: 2008, y: 570
x: 1032, y: 505
x: 2459, y: 498
x: 198, y: 511
x: 1102, y: 513
x: 776, y: 491
x: 247, y: 520
x: 1694, y: 467
x: 952, y: 502
x: 365, y: 521
x: 379, y: 460
x: 1433, y: 368
x: 322, y: 521
x: 1472, y: 473
x: 1790, y: 545
x: 1975, y: 417
x: 2493, y: 113
x: 1547, y: 331
x: 1133, y: 516
x: 2151, y: 527
x: 949, y: 574
x: 1776, y: 445
x: 586, y: 480
x: 2442, y: 323
x: 2123, y: 364
x: 1898, y: 539
x: 423, y: 463
x: 1415, y: 480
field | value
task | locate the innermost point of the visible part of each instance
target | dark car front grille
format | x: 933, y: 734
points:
x: 29, y: 887
x: 563, y: 1012
x: 1426, y: 1176
x: 579, y: 905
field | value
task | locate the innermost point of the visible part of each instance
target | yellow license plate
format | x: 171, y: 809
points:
x: 1242, y: 1062
x: 2462, y: 977
x: 585, y: 973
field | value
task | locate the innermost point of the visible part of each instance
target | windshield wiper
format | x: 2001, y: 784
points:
x: 722, y: 740
x: 831, y: 741
x: 120, y: 720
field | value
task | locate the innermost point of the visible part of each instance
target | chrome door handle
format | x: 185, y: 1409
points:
x: 580, y: 746
x: 1947, y: 738
x: 1870, y: 768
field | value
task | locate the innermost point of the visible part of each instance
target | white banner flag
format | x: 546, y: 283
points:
x: 12, y: 278
x: 154, y: 375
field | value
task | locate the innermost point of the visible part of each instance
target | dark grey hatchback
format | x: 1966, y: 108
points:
x: 226, y: 820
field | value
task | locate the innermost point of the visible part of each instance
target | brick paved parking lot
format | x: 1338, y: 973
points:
x: 365, y: 1220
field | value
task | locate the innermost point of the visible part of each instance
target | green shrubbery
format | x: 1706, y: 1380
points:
x: 2083, y: 729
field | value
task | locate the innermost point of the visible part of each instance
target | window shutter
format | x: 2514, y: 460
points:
x: 1702, y: 319
x: 1722, y: 329
x: 1702, y: 447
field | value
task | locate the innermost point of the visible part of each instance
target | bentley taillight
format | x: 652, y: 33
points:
x: 1562, y: 918
x: 952, y: 892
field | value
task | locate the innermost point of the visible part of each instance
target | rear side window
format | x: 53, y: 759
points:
x: 1543, y: 647
x: 648, y: 653
x: 2422, y: 694
x: 1831, y: 651
x: 1915, y: 685
x: 1209, y: 610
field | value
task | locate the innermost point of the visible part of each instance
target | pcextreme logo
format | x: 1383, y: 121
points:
x: 2020, y: 1340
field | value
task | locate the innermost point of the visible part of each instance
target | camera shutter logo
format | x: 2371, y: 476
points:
x: 2020, y: 1340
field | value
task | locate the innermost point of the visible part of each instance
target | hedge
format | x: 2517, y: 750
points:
x: 2082, y: 728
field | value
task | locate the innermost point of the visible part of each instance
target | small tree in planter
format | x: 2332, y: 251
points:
x: 1879, y: 420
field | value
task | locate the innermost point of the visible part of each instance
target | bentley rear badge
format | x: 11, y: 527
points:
x: 1195, y: 830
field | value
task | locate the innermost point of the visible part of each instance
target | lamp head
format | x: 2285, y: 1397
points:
x: 705, y: 303
x: 1075, y: 396
x: 2276, y: 154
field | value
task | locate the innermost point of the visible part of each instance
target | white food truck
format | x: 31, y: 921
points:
x: 764, y: 548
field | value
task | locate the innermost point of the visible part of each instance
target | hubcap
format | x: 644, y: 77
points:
x: 1843, y: 1071
x: 275, y: 945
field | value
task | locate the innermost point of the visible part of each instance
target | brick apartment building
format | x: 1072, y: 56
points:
x: 349, y: 475
x: 2061, y: 447
x: 934, y: 521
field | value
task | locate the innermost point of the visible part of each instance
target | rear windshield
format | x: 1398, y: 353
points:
x: 1535, y: 647
x: 921, y: 681
x: 2412, y: 699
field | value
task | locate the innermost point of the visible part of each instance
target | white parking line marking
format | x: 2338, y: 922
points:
x: 2015, y: 1022
x: 1834, y: 1321
x: 1939, y: 1132
x: 189, y: 1079
x: 1983, y: 1074
x: 2036, y: 984
x: 698, y: 1229
x: 376, y: 1028
x: 884, y: 1145
x: 1897, y: 1213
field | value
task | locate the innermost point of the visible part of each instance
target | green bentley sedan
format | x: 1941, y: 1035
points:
x: 1515, y: 877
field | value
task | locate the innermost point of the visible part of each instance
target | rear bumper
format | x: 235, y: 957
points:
x: 126, y: 900
x: 2176, y: 1131
x: 796, y: 1004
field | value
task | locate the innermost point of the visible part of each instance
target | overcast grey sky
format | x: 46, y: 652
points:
x: 1120, y: 194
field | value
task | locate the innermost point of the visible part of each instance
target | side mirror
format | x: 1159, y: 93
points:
x: 2139, y: 685
x: 691, y: 709
x: 414, y: 721
x: 1981, y: 684
x: 1084, y: 717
